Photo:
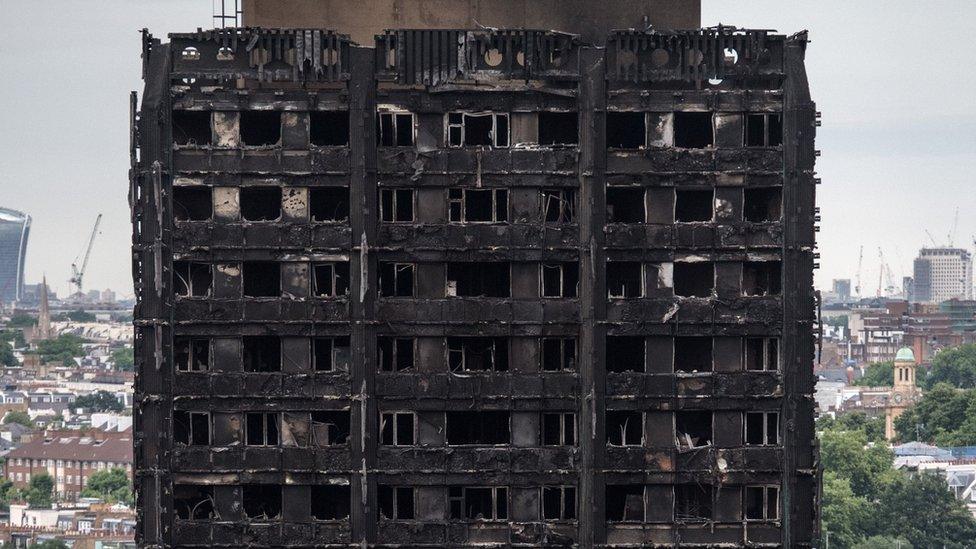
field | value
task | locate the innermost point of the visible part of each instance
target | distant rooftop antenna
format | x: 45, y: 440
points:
x: 227, y: 13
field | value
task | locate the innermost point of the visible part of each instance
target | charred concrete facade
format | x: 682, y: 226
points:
x: 462, y: 287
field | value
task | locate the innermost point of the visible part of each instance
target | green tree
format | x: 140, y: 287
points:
x: 846, y: 516
x: 872, y: 427
x: 80, y: 316
x: 840, y: 320
x: 99, y: 401
x: 16, y: 416
x: 6, y: 490
x: 15, y: 337
x: 879, y: 374
x: 39, y: 494
x: 956, y: 366
x: 938, y: 417
x: 123, y: 359
x: 921, y: 509
x: 7, y: 357
x: 848, y: 455
x: 21, y: 320
x: 61, y: 349
x: 882, y: 542
x: 110, y: 485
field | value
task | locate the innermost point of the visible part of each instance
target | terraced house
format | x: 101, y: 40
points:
x: 458, y: 282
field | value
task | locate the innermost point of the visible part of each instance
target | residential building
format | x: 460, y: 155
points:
x: 474, y: 284
x: 69, y: 459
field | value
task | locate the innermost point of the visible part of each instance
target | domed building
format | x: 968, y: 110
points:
x: 904, y: 393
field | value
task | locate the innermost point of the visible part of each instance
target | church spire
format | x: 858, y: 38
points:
x: 44, y: 315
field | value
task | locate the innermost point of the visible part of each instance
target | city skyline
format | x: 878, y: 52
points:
x: 881, y: 148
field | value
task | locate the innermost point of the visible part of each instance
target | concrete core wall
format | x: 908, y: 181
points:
x: 366, y: 18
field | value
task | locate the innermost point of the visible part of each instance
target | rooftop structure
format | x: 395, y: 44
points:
x: 474, y: 286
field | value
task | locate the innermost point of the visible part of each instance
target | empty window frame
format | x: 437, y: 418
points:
x: 625, y: 205
x: 694, y: 279
x: 486, y: 279
x: 477, y: 354
x: 191, y: 428
x: 764, y: 130
x: 261, y: 279
x: 693, y: 205
x: 762, y: 428
x: 625, y: 354
x: 328, y: 204
x: 262, y: 501
x: 478, y: 503
x: 330, y: 502
x: 693, y: 130
x: 192, y: 128
x: 624, y: 503
x: 624, y: 428
x: 193, y: 502
x: 192, y: 279
x: 398, y: 428
x: 693, y: 354
x: 559, y: 503
x: 394, y: 129
x: 260, y: 203
x: 328, y: 128
x: 331, y: 354
x: 560, y: 279
x: 559, y: 429
x: 692, y: 502
x: 692, y: 429
x: 478, y: 205
x: 330, y: 427
x: 558, y: 354
x: 261, y: 428
x: 192, y: 203
x: 330, y: 279
x: 191, y: 354
x: 763, y: 204
x: 396, y: 205
x: 481, y: 427
x: 558, y: 128
x: 760, y: 278
x: 396, y: 279
x: 762, y: 354
x: 625, y: 279
x: 261, y: 353
x: 761, y: 503
x: 260, y: 128
x: 395, y: 354
x: 559, y: 205
x: 626, y: 130
x: 395, y: 502
x: 477, y: 130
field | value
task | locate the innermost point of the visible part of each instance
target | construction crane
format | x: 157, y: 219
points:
x: 932, y: 238
x: 857, y: 280
x: 955, y: 223
x: 77, y: 275
x: 884, y: 271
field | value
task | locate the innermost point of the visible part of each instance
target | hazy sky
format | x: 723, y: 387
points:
x: 898, y: 135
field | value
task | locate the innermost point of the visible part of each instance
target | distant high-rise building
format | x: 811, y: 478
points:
x: 908, y: 287
x: 93, y: 295
x: 943, y: 273
x: 108, y: 296
x: 842, y: 287
x: 14, y: 228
